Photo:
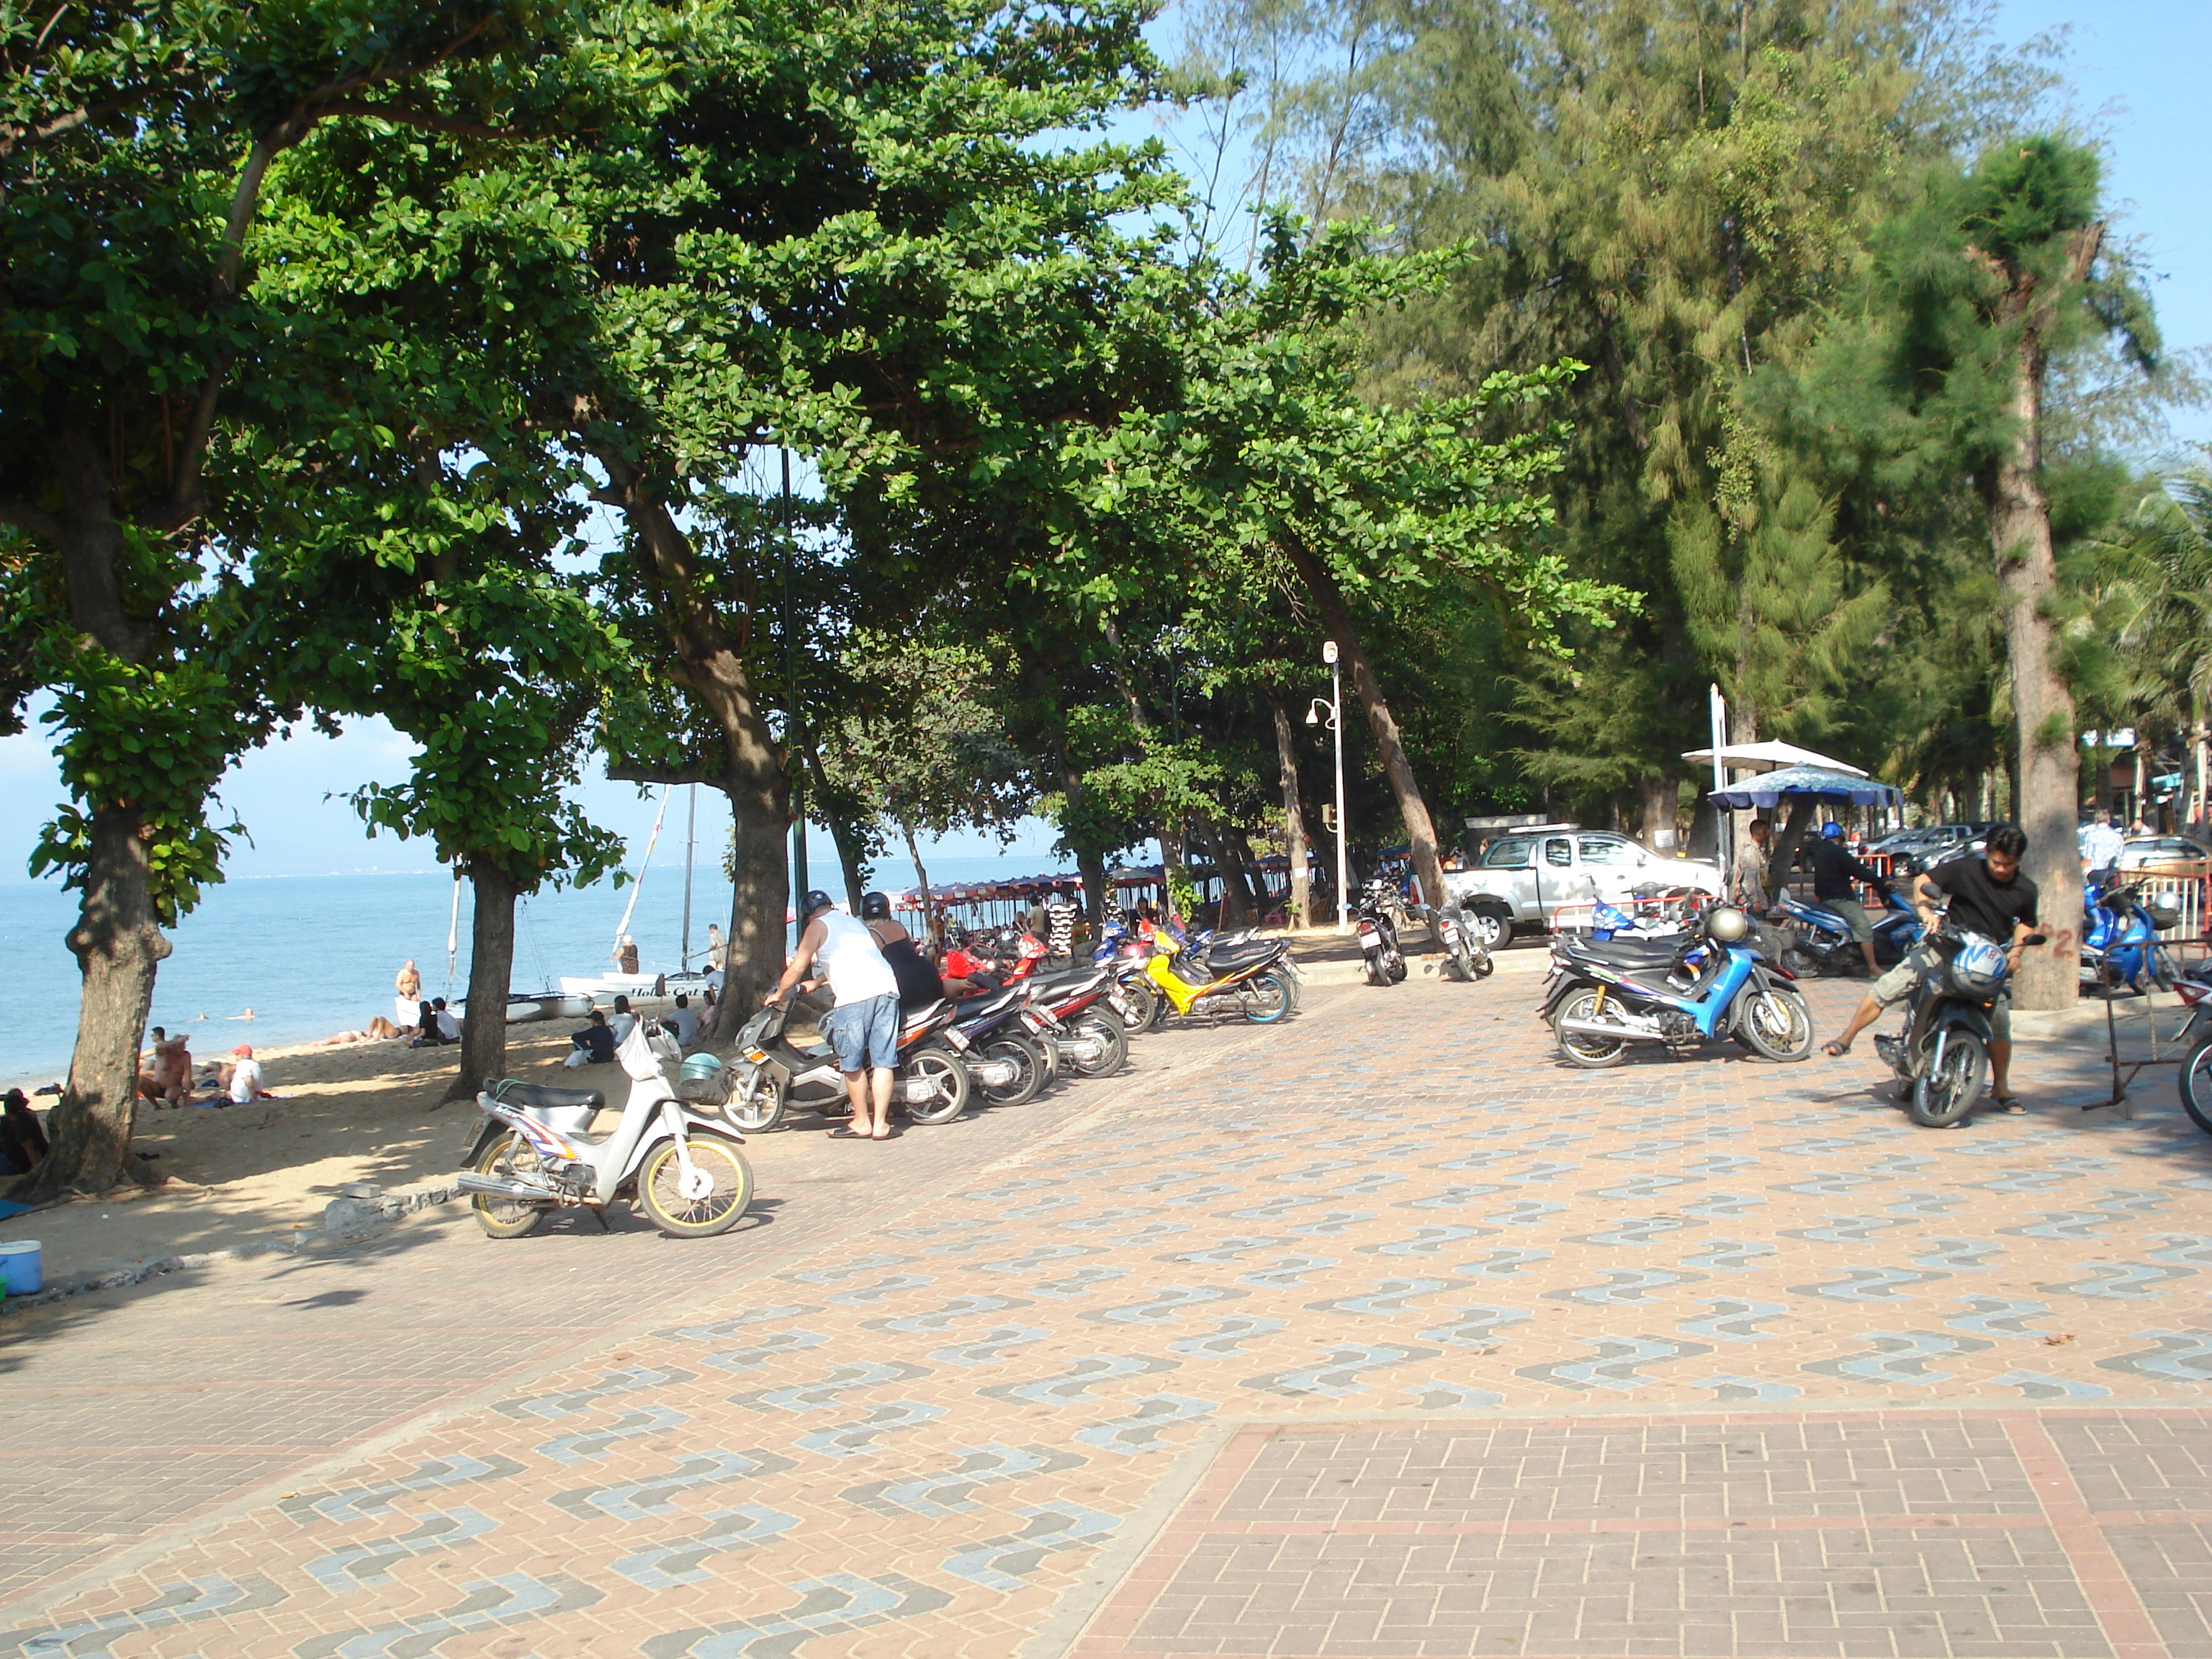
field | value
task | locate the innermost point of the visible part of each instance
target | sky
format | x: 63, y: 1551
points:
x: 2137, y: 67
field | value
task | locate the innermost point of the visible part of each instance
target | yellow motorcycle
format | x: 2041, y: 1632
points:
x: 1258, y: 972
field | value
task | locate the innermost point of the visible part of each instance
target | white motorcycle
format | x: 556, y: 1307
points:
x: 672, y: 1154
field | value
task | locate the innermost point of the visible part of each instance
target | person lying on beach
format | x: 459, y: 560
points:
x: 379, y: 1030
x: 593, y: 1046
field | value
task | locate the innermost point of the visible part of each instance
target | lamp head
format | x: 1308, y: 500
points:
x: 1329, y: 651
x: 1313, y: 715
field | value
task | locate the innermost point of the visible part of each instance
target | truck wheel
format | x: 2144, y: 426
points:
x: 1491, y: 922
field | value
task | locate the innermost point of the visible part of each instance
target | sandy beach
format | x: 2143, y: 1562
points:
x: 237, y: 1174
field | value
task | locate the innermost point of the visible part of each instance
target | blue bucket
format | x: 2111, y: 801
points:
x: 21, y: 1267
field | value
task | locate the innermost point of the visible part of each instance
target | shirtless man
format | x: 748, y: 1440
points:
x: 168, y: 1068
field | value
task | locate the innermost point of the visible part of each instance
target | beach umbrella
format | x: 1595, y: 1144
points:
x: 1770, y: 757
x: 1794, y: 784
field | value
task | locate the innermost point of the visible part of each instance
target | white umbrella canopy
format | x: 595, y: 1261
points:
x: 1771, y: 757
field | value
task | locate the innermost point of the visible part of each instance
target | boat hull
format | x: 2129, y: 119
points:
x: 611, y: 985
x: 524, y: 1006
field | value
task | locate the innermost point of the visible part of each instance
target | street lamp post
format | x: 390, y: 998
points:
x: 1334, y: 704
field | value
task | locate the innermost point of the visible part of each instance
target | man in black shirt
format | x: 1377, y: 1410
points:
x: 1990, y: 896
x: 1834, y: 873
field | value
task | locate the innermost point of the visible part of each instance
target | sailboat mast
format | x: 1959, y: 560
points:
x: 622, y: 927
x: 691, y: 843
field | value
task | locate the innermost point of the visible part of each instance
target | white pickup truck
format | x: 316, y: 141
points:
x: 1528, y: 875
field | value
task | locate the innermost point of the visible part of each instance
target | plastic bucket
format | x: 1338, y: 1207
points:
x: 22, y: 1267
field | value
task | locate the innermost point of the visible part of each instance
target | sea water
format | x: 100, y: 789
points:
x: 313, y: 955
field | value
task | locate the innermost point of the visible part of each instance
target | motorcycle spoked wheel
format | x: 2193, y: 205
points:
x: 1140, y: 994
x: 2197, y: 1084
x: 1594, y: 1051
x: 1268, y: 998
x: 508, y: 1218
x: 1029, y: 1071
x: 762, y: 1107
x: 1941, y: 1099
x: 1114, y: 1051
x: 1776, y: 1024
x: 947, y: 1078
x: 724, y: 1188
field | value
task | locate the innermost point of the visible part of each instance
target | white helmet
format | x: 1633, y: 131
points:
x: 1726, y: 924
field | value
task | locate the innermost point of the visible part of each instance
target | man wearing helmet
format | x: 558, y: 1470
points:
x: 1834, y: 873
x: 1990, y: 896
x: 863, y: 1024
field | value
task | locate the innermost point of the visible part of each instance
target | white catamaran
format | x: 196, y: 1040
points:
x: 647, y: 985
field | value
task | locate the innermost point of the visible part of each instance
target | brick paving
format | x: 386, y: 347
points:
x: 1447, y: 1349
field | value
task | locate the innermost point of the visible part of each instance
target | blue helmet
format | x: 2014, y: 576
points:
x: 1831, y: 831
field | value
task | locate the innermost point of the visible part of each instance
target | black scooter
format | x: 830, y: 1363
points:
x: 775, y: 1076
x: 1378, y: 932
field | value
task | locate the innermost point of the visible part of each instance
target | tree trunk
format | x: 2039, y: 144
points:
x: 491, y: 975
x: 1294, y: 818
x: 1786, y: 842
x: 758, y: 787
x: 1420, y: 830
x: 920, y: 875
x: 2200, y: 749
x: 1661, y: 802
x: 852, y: 857
x: 118, y: 945
x: 2043, y: 707
x: 1243, y: 874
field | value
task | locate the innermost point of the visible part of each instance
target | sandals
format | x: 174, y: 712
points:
x: 1835, y: 1050
x: 2009, y: 1103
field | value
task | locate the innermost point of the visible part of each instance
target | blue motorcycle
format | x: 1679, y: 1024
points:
x: 2119, y: 935
x: 1705, y: 986
x: 1824, y: 945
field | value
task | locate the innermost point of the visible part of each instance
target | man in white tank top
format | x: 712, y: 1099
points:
x: 863, y: 1024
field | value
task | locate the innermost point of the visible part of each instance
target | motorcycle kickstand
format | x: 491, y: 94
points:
x: 599, y: 1214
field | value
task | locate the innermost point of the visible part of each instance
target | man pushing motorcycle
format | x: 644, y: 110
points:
x: 1990, y: 896
x: 864, y: 1025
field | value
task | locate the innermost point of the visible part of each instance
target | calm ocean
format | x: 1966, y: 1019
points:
x: 311, y: 954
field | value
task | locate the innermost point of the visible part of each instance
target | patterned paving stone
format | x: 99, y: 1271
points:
x: 1718, y: 1357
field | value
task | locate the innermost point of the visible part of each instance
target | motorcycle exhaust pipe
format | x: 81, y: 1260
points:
x: 493, y: 1187
x: 1599, y: 1028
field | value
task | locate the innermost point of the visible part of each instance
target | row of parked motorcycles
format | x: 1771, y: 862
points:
x: 675, y: 1153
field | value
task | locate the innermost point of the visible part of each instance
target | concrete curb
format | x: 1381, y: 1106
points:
x: 348, y: 1217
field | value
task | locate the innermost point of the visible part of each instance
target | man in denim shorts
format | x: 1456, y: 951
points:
x: 863, y: 1025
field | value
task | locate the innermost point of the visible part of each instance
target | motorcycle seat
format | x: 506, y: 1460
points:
x: 990, y: 1002
x: 511, y: 1092
x: 1238, y: 954
x: 1626, y: 952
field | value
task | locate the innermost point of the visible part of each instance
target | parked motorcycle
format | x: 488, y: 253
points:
x: 2195, y: 989
x: 772, y: 1074
x: 2119, y: 935
x: 1603, y: 996
x: 1465, y: 957
x: 1002, y: 1055
x: 1086, y: 1005
x: 1259, y: 975
x: 1942, y: 1055
x: 1376, y: 914
x: 672, y: 1152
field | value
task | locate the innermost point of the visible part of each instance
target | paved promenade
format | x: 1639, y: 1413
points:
x: 1381, y: 1335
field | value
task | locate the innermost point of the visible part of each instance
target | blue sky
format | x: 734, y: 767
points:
x: 2138, y: 69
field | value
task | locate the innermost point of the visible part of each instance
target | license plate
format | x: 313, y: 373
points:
x: 957, y: 1039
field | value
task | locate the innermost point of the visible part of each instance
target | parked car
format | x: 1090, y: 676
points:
x: 1528, y: 876
x: 2143, y: 850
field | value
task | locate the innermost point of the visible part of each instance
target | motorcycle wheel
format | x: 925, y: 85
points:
x: 1776, y: 1024
x: 1267, y: 998
x: 1397, y: 967
x: 1454, y: 968
x: 1162, y: 1007
x: 763, y: 1107
x: 941, y: 1069
x: 1491, y: 926
x: 508, y: 1218
x: 2162, y: 971
x: 729, y: 1190
x: 1594, y: 1051
x: 1376, y: 972
x: 2197, y: 1084
x: 1484, y: 966
x: 1140, y: 994
x: 1114, y: 1053
x: 1941, y: 1101
x: 1028, y: 1072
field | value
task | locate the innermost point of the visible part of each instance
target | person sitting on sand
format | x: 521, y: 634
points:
x: 593, y: 1046
x: 624, y: 1021
x: 245, y: 1079
x: 427, y: 1034
x: 168, y: 1070
x: 22, y: 1140
x: 684, y: 1022
x: 449, y: 1029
